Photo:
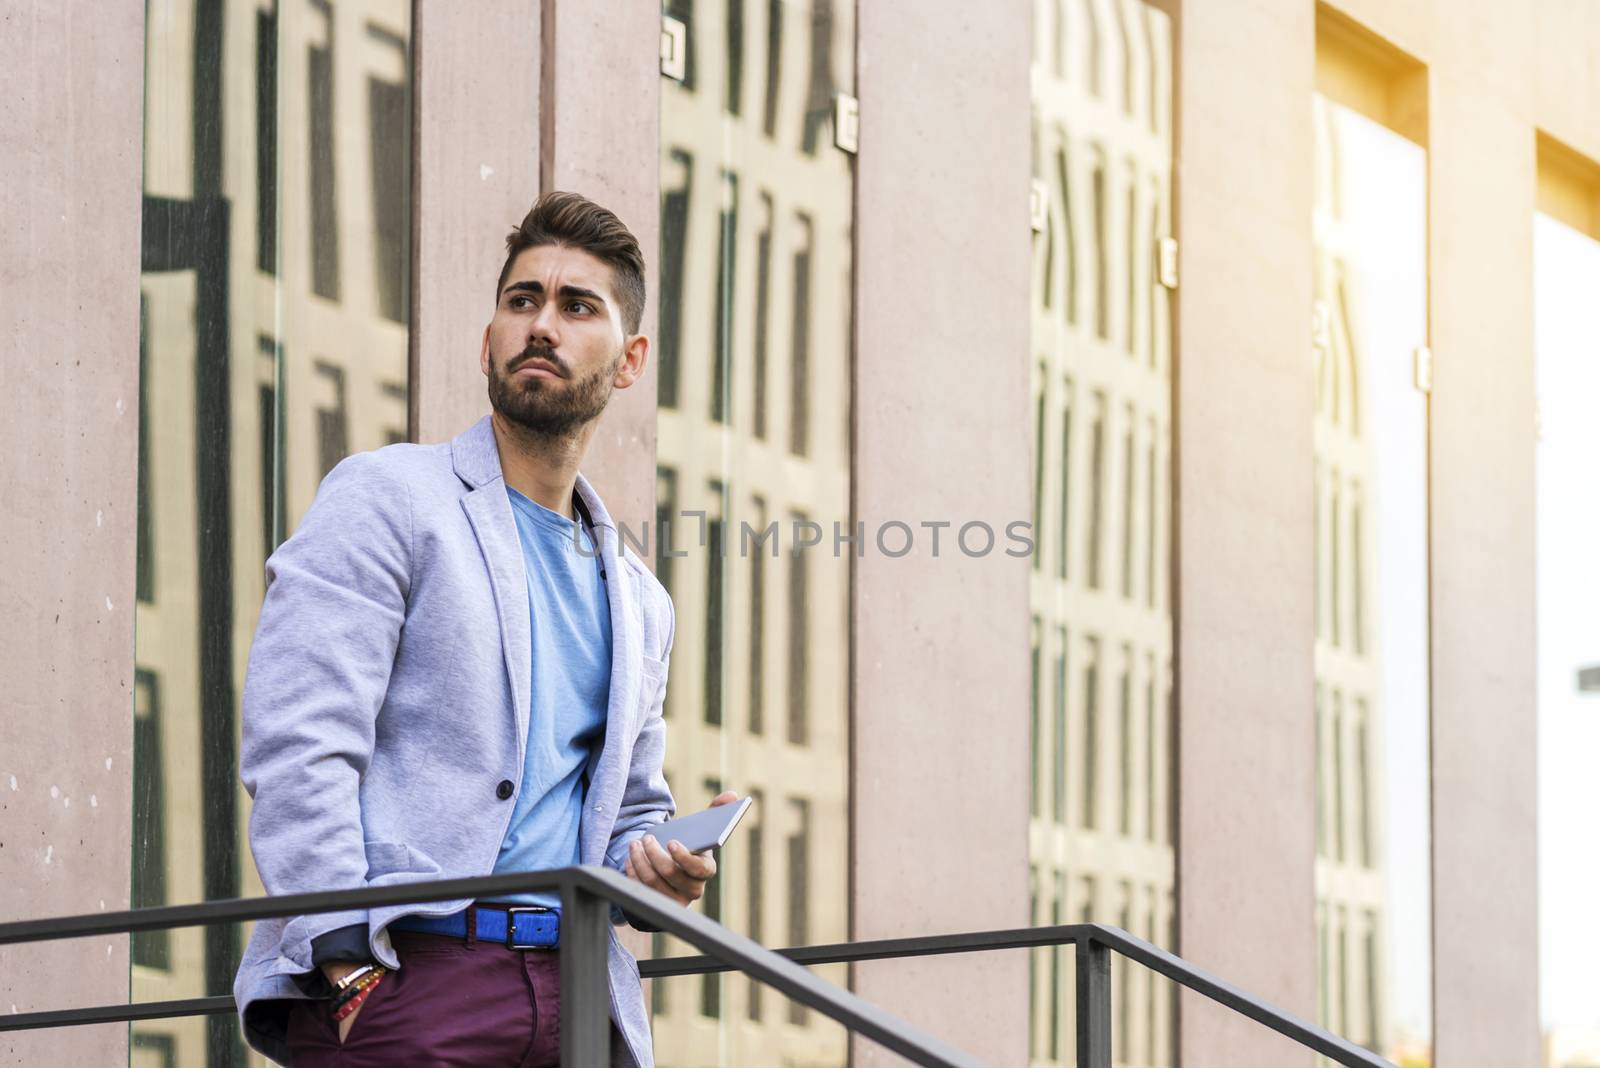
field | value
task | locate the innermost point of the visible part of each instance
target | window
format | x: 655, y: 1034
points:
x: 716, y: 603
x: 1370, y: 455
x: 1058, y: 732
x: 1091, y: 733
x: 800, y: 351
x: 1099, y: 338
x: 150, y: 949
x: 754, y: 393
x: 711, y: 908
x: 324, y: 198
x: 273, y: 343
x: 799, y: 887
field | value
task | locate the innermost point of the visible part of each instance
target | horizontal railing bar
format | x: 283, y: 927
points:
x: 1136, y: 949
x: 887, y: 948
x: 109, y: 1014
x: 760, y: 963
x: 236, y: 910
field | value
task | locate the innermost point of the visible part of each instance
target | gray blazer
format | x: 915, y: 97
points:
x: 387, y: 696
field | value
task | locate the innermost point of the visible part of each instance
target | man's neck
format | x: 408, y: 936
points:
x: 540, y: 468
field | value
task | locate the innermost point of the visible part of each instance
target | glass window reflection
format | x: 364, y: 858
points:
x: 1371, y: 549
x: 1102, y: 413
x: 1567, y: 343
x: 753, y: 425
x: 274, y: 288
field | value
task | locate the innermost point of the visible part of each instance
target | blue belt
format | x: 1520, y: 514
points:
x: 517, y: 926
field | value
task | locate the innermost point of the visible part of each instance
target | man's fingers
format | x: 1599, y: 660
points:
x: 727, y: 797
x: 695, y: 865
x: 639, y: 868
x: 644, y: 870
x: 682, y: 883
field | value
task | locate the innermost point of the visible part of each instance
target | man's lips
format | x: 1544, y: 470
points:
x: 537, y: 368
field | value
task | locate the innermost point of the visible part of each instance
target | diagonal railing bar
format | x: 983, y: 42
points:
x: 579, y: 887
x: 670, y: 917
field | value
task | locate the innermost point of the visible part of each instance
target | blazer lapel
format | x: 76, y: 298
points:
x: 608, y: 768
x: 489, y: 512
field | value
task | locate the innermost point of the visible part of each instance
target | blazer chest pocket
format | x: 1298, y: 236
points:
x: 652, y: 679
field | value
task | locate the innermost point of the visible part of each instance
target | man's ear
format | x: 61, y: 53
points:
x: 635, y: 357
x: 483, y: 354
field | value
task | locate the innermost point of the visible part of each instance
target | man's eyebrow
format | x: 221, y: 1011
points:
x: 537, y: 288
x: 584, y: 294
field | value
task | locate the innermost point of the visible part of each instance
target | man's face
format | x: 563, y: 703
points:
x: 556, y: 346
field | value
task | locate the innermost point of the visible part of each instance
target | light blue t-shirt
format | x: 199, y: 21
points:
x: 571, y: 684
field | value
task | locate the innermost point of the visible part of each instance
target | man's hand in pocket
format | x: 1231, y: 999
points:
x: 334, y: 971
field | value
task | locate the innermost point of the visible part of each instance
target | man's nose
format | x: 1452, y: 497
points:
x: 543, y: 326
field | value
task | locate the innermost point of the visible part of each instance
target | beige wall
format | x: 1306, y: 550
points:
x: 1244, y: 518
x: 940, y: 646
x: 69, y: 370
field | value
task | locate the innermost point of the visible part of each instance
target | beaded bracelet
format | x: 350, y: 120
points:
x: 366, y: 980
x: 358, y: 988
x: 349, y: 1007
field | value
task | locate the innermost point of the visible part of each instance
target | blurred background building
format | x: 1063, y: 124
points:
x: 1279, y: 327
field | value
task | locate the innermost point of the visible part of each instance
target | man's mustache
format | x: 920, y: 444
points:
x: 537, y: 352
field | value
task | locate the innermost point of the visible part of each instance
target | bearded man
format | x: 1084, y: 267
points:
x: 460, y: 671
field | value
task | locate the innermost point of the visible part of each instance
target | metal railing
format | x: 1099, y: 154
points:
x: 587, y: 894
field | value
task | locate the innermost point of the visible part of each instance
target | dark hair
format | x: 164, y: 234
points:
x: 577, y: 222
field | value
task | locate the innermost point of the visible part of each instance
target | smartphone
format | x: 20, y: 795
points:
x: 702, y: 831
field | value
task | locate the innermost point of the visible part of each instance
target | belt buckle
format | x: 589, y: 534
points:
x: 511, y: 925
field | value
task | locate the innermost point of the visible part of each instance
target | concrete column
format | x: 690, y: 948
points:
x: 70, y: 154
x: 1485, y: 819
x: 476, y: 170
x: 602, y: 138
x: 1243, y: 463
x: 940, y: 644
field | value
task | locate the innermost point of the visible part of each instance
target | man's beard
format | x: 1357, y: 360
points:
x: 549, y: 408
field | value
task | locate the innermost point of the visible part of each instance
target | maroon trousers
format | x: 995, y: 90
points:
x: 449, y: 1003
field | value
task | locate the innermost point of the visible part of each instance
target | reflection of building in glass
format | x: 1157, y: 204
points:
x: 754, y: 347
x: 274, y: 294
x: 1359, y: 566
x: 1567, y: 337
x: 1101, y: 830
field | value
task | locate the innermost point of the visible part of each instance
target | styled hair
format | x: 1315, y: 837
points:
x: 575, y: 221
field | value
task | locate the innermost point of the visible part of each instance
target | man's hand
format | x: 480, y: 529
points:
x: 674, y: 871
x: 336, y: 970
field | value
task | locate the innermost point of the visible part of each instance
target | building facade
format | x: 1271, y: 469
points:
x: 1270, y: 328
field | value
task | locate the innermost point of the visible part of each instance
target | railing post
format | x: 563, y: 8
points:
x: 1094, y: 1004
x: 585, y: 977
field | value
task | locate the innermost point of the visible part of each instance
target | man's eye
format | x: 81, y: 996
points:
x: 580, y: 307
x: 520, y: 302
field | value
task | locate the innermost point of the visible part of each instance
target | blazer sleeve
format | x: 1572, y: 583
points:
x: 318, y: 673
x: 646, y: 799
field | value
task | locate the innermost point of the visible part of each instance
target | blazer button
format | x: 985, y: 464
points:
x: 504, y: 790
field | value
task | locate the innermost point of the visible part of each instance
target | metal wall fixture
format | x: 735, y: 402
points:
x: 674, y: 48
x: 1038, y: 205
x: 1422, y: 368
x: 846, y: 123
x: 1167, y: 262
